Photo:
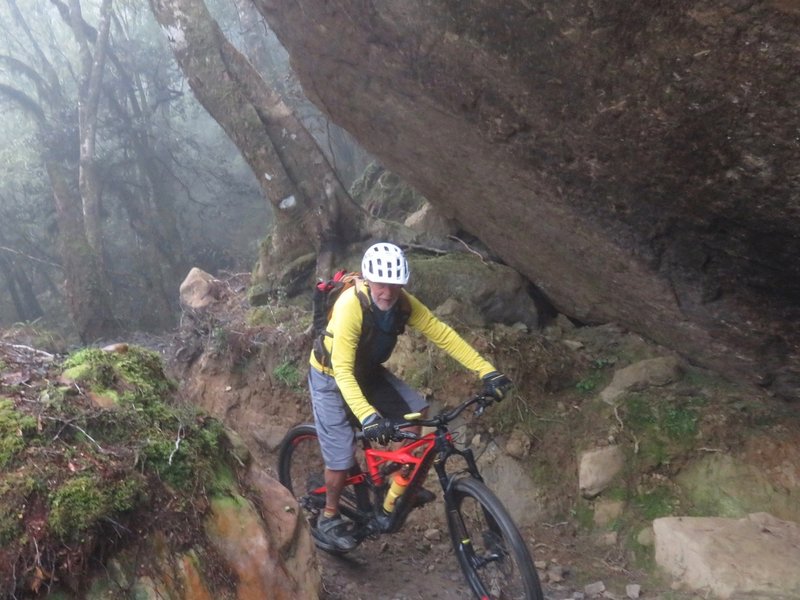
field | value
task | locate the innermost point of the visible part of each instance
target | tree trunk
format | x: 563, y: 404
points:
x: 33, y: 310
x: 313, y: 212
x: 11, y: 286
x: 86, y: 290
x: 92, y: 67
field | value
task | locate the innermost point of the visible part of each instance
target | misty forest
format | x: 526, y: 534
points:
x: 118, y: 180
x: 602, y: 198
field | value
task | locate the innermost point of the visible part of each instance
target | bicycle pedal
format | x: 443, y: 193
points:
x: 383, y: 521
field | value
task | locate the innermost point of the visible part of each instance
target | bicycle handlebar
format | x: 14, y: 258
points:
x: 443, y: 418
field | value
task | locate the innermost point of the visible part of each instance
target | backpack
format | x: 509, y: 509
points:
x: 326, y: 293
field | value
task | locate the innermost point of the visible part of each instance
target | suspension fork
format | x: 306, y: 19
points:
x: 445, y: 450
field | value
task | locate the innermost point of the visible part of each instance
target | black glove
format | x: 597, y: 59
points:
x: 496, y: 385
x: 378, y: 429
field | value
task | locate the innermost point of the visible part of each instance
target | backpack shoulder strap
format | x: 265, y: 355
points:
x: 403, y: 313
x: 362, y: 293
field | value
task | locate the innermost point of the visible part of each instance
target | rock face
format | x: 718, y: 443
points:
x: 638, y: 165
x: 754, y: 557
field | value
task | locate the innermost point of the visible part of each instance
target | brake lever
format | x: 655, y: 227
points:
x: 483, y: 404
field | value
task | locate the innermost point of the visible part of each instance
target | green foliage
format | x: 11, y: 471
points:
x: 173, y: 441
x: 288, y: 375
x: 14, y: 427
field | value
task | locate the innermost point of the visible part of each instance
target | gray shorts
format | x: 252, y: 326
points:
x: 391, y: 396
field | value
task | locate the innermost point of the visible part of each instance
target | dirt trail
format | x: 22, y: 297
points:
x: 403, y: 566
x: 416, y: 563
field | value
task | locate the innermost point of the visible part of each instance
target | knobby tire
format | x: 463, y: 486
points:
x: 301, y: 470
x: 489, y: 547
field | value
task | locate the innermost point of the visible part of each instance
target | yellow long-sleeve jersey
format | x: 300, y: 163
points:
x: 345, y: 329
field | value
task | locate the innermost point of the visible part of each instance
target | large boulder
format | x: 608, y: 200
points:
x: 638, y: 165
x: 496, y: 291
x: 752, y: 557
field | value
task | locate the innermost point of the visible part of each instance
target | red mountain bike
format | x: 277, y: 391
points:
x: 487, y: 543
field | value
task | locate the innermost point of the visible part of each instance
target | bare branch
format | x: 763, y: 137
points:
x: 178, y: 439
x: 475, y: 252
x: 29, y: 257
x: 25, y: 102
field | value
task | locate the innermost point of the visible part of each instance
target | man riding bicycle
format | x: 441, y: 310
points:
x: 349, y: 384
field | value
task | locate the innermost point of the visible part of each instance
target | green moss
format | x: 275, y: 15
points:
x: 662, y: 428
x: 583, y: 514
x: 191, y: 454
x: 272, y: 315
x: 260, y: 294
x: 224, y: 481
x: 83, y: 501
x: 595, y: 378
x: 15, y: 488
x: 680, y: 422
x: 84, y: 469
x: 14, y: 428
x: 138, y: 373
x: 177, y: 443
x: 616, y: 493
x: 655, y: 503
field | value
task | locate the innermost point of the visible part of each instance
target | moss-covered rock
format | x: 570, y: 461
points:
x: 79, y: 475
x: 14, y: 428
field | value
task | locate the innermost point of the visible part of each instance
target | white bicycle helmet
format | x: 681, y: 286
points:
x: 385, y: 263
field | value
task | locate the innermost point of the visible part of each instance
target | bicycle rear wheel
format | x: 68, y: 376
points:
x: 301, y: 469
x: 489, y: 547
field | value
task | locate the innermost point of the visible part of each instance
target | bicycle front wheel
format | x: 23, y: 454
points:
x: 489, y: 547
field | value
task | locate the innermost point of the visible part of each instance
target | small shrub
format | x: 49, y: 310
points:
x: 288, y: 375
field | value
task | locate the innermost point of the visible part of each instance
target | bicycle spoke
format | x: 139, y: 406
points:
x: 303, y: 471
x: 490, y: 550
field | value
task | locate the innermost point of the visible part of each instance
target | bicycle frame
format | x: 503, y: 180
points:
x: 432, y: 449
x: 489, y: 547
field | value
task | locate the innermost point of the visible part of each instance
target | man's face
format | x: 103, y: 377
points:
x: 384, y: 295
